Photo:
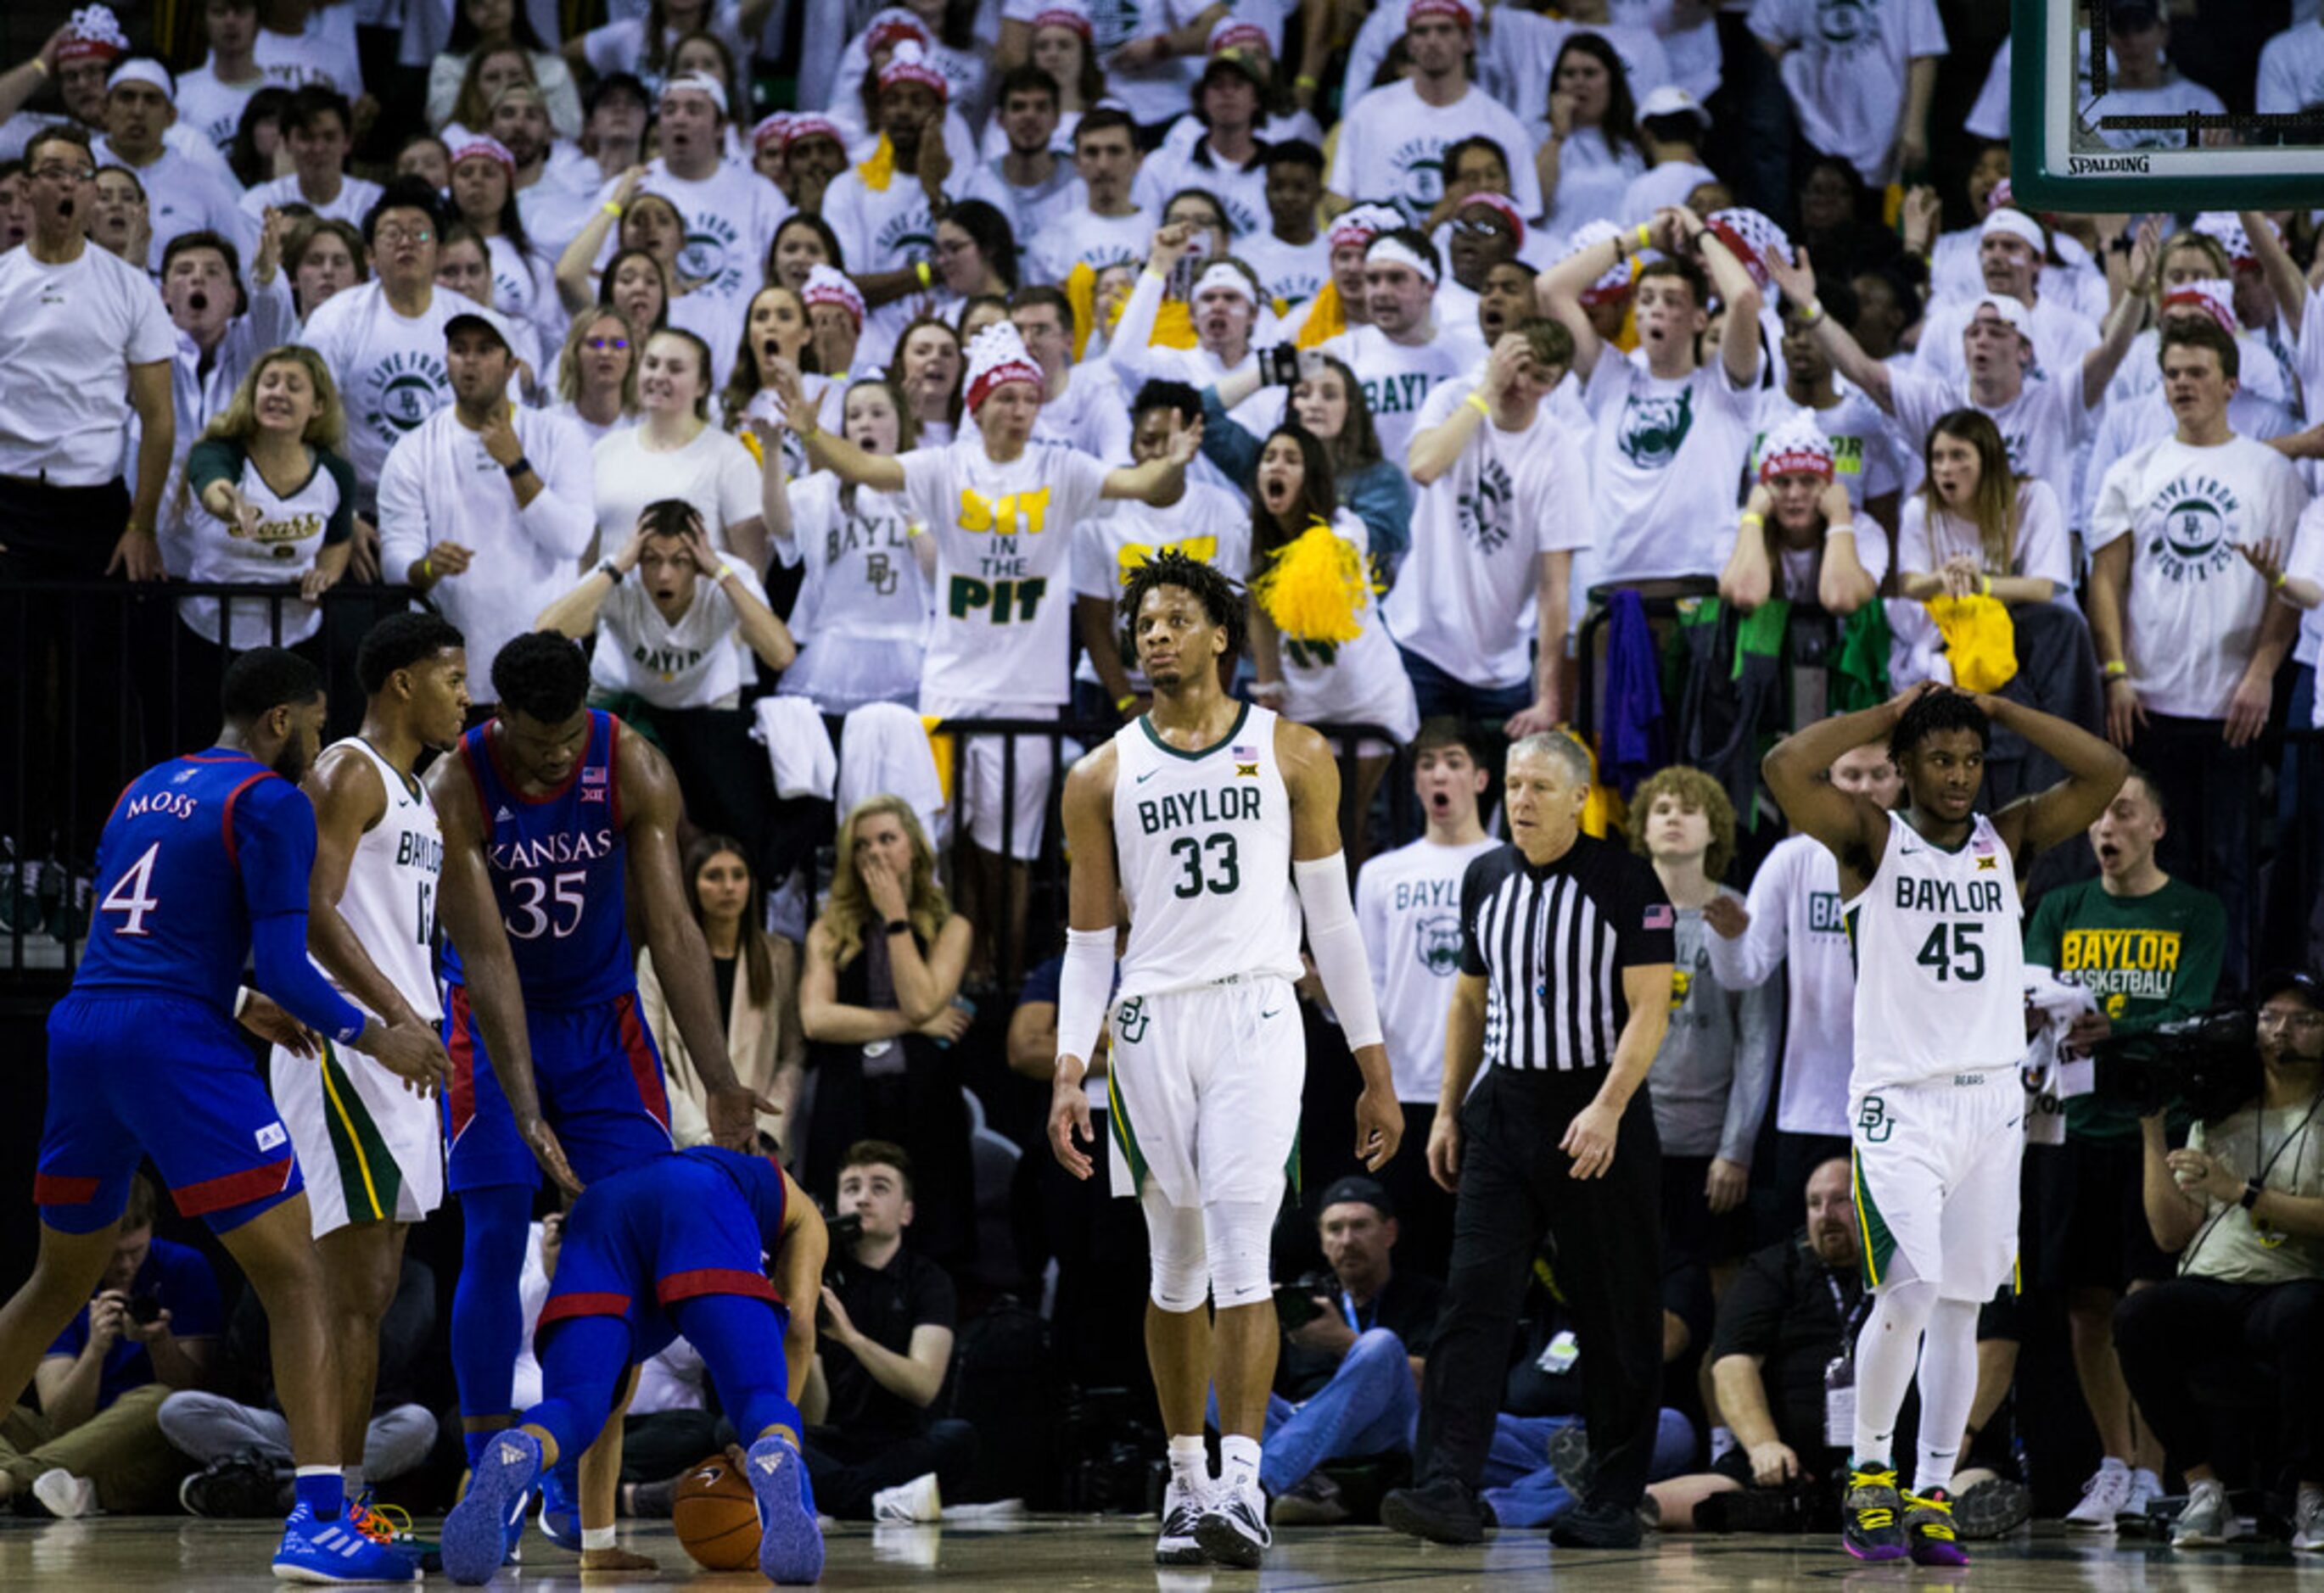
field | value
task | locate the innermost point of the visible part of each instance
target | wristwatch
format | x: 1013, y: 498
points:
x: 2252, y: 1190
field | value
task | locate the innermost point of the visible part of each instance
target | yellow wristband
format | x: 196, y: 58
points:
x: 1754, y: 519
x: 921, y: 269
x: 1476, y: 400
x: 2116, y: 669
x: 2277, y: 584
x: 428, y: 566
x: 1125, y: 702
x: 1303, y: 81
x: 40, y: 65
x: 613, y: 209
x: 1645, y: 235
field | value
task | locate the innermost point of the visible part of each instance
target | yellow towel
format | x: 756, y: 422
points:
x: 1326, y: 317
x: 1979, y: 641
x: 879, y: 171
x: 941, y: 748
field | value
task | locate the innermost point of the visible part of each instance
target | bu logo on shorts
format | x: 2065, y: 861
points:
x: 1872, y: 1117
x: 1129, y: 1022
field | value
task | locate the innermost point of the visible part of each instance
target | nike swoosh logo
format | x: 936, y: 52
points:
x: 1276, y: 1013
x: 1149, y: 775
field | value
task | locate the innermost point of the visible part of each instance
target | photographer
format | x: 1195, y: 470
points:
x: 2242, y: 1206
x: 883, y: 1343
x: 152, y: 1327
x: 1354, y: 1342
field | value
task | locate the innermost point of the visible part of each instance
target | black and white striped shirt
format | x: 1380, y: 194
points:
x: 1551, y: 943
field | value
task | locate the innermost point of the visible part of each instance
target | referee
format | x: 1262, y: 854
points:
x: 1563, y: 995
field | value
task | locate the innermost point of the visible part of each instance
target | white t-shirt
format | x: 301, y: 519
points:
x: 1081, y: 237
x: 731, y: 216
x: 1797, y: 568
x: 440, y: 486
x: 2041, y: 426
x: 1209, y: 523
x: 1093, y: 414
x: 1845, y: 68
x: 2062, y: 336
x: 1397, y: 377
x: 292, y: 530
x: 696, y: 661
x: 325, y: 52
x: 214, y: 109
x: 69, y: 334
x: 1592, y: 179
x: 183, y: 194
x: 1666, y: 467
x: 1392, y: 146
x: 1798, y: 924
x: 2040, y: 551
x: 714, y: 473
x: 1865, y: 457
x: 2292, y: 71
x: 619, y: 45
x: 1241, y: 190
x: 390, y: 367
x: 1004, y: 543
x: 1408, y: 907
x: 2307, y: 564
x: 1464, y: 596
x: 1660, y: 187
x: 355, y: 197
x: 1290, y: 274
x: 862, y: 617
x: 1517, y: 52
x: 2194, y: 611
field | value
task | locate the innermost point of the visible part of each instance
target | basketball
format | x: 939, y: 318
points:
x: 718, y: 1517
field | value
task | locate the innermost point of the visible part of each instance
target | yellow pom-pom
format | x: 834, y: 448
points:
x: 1316, y: 589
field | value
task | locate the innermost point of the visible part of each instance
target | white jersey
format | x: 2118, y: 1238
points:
x: 389, y: 899
x: 1940, y: 959
x: 1203, y: 841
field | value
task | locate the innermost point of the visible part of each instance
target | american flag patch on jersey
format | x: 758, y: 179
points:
x: 1243, y: 751
x: 1660, y: 917
x: 1984, y: 846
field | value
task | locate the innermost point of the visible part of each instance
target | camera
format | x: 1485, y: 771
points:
x: 845, y: 1229
x: 1295, y: 1303
x: 2206, y: 1064
x: 1278, y: 366
x: 144, y: 1310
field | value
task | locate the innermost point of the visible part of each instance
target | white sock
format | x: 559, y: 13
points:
x: 2146, y: 1480
x: 1238, y: 1462
x: 354, y: 1475
x: 596, y: 1537
x: 1948, y: 1382
x: 1190, y: 1464
x: 1886, y: 1352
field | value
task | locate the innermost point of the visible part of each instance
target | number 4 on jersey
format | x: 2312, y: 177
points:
x: 133, y: 894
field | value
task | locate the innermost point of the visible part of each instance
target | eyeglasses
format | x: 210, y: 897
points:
x: 606, y: 344
x: 1477, y: 227
x: 2305, y: 1022
x: 393, y: 233
x: 65, y: 173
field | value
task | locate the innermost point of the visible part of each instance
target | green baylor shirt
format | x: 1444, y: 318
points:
x: 2147, y: 958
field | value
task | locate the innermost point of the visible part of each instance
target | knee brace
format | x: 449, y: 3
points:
x: 1236, y: 1233
x: 1181, y: 1278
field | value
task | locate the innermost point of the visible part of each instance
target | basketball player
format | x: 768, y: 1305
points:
x: 1208, y: 814
x: 204, y: 861
x: 680, y: 1244
x: 368, y: 1141
x: 1930, y: 892
x: 548, y: 809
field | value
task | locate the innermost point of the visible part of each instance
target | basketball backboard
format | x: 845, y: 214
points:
x: 2080, y: 141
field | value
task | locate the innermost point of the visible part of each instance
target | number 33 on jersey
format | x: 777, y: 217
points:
x: 1940, y: 967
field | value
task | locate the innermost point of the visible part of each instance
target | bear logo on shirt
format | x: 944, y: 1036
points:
x: 703, y: 259
x: 2194, y: 540
x: 1847, y: 24
x: 1484, y: 513
x: 1654, y: 429
x: 1437, y: 943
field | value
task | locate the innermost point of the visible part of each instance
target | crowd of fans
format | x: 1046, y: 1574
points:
x: 1611, y: 367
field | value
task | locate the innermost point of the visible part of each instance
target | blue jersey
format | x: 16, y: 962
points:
x: 557, y: 868
x: 196, y: 851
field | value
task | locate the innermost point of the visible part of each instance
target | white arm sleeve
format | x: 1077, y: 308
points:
x: 1338, y: 947
x: 1083, y: 986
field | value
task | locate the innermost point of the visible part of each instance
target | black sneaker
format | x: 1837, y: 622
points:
x: 1596, y: 1527
x: 235, y: 1491
x: 1871, y: 1524
x: 1991, y: 1508
x: 1441, y: 1512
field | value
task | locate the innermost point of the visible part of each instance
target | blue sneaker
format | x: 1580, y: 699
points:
x: 790, y: 1544
x: 560, y: 1516
x: 476, y: 1533
x: 334, y: 1551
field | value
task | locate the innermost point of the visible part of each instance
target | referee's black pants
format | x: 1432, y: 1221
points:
x: 1515, y: 1188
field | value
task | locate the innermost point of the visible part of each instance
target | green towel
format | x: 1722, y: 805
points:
x: 1761, y: 632
x: 1859, y: 674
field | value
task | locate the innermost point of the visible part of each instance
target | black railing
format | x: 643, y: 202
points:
x: 104, y: 679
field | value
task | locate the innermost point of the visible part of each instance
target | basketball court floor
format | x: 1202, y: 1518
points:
x: 1092, y: 1555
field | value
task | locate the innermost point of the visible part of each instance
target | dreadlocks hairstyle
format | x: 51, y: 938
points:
x: 1220, y: 601
x: 1936, y: 711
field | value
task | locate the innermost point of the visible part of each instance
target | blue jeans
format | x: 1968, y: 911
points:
x: 1434, y: 692
x: 1369, y: 1407
x: 1524, y: 1492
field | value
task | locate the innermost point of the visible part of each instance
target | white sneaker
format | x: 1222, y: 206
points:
x: 1234, y: 1530
x: 2308, y: 1522
x: 917, y: 1500
x: 2206, y: 1521
x: 2145, y: 1487
x: 64, y: 1496
x: 1181, y: 1509
x: 2106, y: 1496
